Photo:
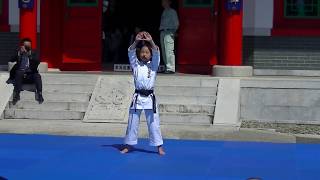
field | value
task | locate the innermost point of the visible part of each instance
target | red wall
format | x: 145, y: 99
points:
x: 198, y: 41
x: 59, y: 40
x: 228, y: 49
x: 4, y: 17
x: 292, y: 27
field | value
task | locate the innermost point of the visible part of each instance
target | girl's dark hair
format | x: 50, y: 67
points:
x: 141, y: 45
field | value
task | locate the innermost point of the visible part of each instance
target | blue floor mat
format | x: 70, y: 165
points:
x: 62, y: 157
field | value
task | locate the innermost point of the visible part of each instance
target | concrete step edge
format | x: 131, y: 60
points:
x: 174, y: 104
x: 186, y: 114
x: 29, y: 100
x: 35, y: 110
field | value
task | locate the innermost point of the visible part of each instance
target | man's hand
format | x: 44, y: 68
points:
x: 23, y: 49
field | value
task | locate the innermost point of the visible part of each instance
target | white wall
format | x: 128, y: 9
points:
x: 257, y: 17
x: 14, y: 15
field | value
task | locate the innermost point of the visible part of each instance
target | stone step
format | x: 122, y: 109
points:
x: 69, y: 79
x: 57, y: 96
x: 186, y: 91
x: 50, y: 106
x: 37, y: 114
x: 184, y: 118
x: 285, y: 53
x: 182, y: 108
x: 189, y: 100
x: 74, y: 88
x: 177, y: 81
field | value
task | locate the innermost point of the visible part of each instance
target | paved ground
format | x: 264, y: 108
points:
x: 61, y: 157
x: 78, y: 128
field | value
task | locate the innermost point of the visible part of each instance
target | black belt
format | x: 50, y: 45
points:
x: 144, y: 92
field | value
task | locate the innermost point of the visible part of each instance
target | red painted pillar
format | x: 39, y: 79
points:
x: 28, y: 24
x: 230, y: 26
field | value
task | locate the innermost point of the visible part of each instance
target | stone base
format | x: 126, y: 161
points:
x: 232, y: 71
x: 43, y: 66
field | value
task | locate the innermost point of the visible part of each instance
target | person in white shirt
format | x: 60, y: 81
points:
x: 168, y: 27
x: 144, y: 64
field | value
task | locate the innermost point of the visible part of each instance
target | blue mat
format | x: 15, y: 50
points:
x: 59, y: 157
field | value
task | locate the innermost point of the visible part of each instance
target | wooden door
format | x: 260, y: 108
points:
x: 197, y: 40
x: 82, y: 35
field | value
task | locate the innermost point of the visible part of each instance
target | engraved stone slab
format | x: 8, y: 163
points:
x: 110, y: 100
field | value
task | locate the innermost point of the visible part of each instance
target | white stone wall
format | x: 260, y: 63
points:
x: 6, y: 92
x: 14, y: 15
x: 257, y: 17
x: 281, y: 101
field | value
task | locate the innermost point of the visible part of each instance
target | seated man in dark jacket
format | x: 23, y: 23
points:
x: 25, y: 71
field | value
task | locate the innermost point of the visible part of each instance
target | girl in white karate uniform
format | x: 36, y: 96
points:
x: 144, y: 67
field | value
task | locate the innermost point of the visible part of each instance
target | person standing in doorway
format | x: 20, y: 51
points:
x: 168, y: 27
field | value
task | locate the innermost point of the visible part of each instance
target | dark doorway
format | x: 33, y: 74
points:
x: 120, y: 22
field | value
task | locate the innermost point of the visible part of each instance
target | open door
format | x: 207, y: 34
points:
x: 197, y: 41
x: 81, y: 42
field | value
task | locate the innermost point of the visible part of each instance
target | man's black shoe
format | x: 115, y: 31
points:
x: 169, y: 72
x: 16, y: 98
x: 10, y: 81
x: 39, y: 97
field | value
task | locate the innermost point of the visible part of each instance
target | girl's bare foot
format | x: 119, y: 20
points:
x: 161, y: 151
x: 125, y: 150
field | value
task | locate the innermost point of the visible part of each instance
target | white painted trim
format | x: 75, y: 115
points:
x: 257, y: 17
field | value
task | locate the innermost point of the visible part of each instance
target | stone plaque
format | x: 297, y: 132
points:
x: 110, y: 100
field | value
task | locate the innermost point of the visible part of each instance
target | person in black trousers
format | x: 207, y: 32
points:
x: 25, y: 71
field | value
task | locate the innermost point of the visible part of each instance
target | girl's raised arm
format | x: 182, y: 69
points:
x: 155, y: 52
x: 132, y: 52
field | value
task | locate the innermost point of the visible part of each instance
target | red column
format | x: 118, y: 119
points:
x: 230, y: 26
x: 28, y: 24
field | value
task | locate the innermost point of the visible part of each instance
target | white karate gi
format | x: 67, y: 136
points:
x: 144, y: 78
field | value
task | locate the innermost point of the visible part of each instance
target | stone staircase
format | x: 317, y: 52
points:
x: 8, y: 43
x: 186, y: 100
x: 66, y: 98
x: 282, y: 53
